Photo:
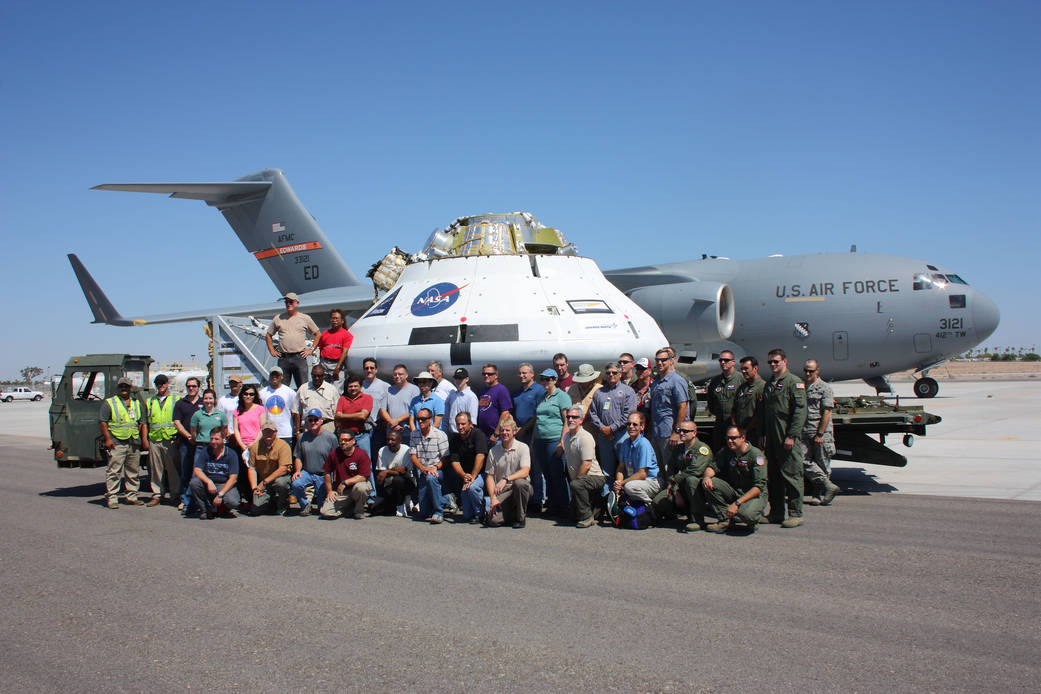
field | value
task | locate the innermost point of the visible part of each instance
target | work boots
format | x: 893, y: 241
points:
x: 830, y: 490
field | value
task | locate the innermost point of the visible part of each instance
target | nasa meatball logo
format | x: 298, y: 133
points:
x: 435, y: 299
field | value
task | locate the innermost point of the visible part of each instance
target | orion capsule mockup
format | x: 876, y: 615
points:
x: 500, y: 289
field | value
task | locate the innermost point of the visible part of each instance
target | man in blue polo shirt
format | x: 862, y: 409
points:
x: 637, y: 473
x: 213, y: 482
x: 427, y: 399
x: 525, y: 401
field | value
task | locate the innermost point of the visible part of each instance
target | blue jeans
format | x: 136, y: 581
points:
x: 431, y: 500
x: 552, y: 464
x: 187, y: 453
x: 299, y: 489
x: 472, y: 499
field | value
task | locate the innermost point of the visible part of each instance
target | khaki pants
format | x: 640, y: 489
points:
x: 163, y: 469
x: 351, y: 503
x: 123, y: 459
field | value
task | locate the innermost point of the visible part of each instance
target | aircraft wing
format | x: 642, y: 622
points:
x: 353, y: 299
x: 627, y: 279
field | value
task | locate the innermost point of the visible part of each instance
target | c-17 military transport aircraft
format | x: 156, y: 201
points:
x: 506, y: 289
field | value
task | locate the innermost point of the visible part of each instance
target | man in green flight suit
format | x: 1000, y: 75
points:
x: 683, y: 471
x: 746, y: 401
x: 782, y: 414
x: 735, y: 483
x: 721, y: 392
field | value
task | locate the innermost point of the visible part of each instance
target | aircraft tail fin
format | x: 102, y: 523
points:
x: 100, y: 306
x: 272, y: 224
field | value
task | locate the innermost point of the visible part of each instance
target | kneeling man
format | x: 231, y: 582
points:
x: 271, y: 463
x: 735, y: 483
x: 216, y: 470
x: 347, y: 471
x: 583, y: 469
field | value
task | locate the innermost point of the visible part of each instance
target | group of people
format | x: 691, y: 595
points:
x: 571, y: 446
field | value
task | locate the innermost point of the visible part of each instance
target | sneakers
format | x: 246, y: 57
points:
x: 720, y: 527
x: 587, y: 523
x: 793, y: 522
x: 112, y: 503
x: 812, y: 500
x: 402, y: 512
x: 693, y: 527
x: 436, y: 518
x: 135, y: 502
x: 830, y: 490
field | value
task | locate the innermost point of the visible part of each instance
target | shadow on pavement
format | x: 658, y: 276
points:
x: 858, y: 481
x: 83, y: 490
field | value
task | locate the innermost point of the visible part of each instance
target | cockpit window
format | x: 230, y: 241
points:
x: 954, y: 279
x: 930, y: 280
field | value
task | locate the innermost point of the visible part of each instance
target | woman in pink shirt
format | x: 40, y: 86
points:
x: 249, y: 417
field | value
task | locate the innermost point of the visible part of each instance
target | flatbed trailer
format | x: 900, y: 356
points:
x: 862, y: 424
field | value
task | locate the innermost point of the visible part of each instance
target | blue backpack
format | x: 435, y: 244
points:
x: 635, y: 517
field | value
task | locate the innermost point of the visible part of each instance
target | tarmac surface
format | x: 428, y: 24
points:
x: 885, y: 590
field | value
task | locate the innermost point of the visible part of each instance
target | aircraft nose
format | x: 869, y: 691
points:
x: 985, y: 316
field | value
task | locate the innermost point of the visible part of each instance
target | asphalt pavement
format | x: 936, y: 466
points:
x: 880, y: 592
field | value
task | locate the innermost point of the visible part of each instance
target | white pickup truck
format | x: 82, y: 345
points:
x: 20, y: 393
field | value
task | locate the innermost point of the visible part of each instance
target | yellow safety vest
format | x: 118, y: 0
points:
x: 160, y: 419
x: 122, y: 424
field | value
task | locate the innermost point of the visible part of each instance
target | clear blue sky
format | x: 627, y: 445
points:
x: 646, y: 134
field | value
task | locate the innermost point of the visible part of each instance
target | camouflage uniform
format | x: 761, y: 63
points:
x: 721, y: 395
x: 782, y: 413
x: 736, y: 473
x: 817, y: 458
x: 745, y: 403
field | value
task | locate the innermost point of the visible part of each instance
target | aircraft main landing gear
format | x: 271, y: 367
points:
x: 926, y: 387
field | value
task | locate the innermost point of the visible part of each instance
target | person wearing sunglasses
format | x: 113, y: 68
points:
x: 637, y: 473
x: 612, y: 404
x: 669, y: 400
x: 722, y: 391
x: 183, y: 411
x: 428, y: 451
x: 782, y: 414
x: 818, y: 437
x: 735, y: 483
x: 685, y: 469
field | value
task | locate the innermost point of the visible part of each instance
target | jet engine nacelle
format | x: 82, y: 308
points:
x: 689, y: 312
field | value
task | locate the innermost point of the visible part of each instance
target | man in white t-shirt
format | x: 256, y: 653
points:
x: 393, y: 476
x: 280, y: 401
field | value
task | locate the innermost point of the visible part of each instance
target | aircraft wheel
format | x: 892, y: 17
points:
x: 926, y: 387
x: 908, y: 440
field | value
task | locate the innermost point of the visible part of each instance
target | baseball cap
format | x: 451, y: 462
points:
x: 291, y: 296
x: 462, y: 373
x: 234, y: 378
x: 269, y: 426
x: 276, y: 369
x: 315, y: 412
x: 549, y: 373
x: 124, y: 381
x: 642, y: 363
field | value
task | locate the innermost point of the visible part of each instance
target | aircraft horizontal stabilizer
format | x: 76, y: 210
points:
x: 213, y: 193
x: 272, y: 224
